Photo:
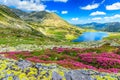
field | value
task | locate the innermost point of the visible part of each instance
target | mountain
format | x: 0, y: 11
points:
x: 9, y: 19
x: 93, y: 25
x: 51, y: 25
x: 19, y: 12
x: 19, y: 27
x: 113, y: 27
x: 110, y: 27
x: 14, y: 30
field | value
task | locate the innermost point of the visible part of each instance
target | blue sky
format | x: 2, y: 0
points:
x: 74, y: 11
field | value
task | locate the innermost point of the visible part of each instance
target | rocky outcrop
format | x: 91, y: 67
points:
x: 26, y: 70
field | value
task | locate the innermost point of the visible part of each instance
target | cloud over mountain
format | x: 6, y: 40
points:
x: 25, y: 5
x: 97, y: 13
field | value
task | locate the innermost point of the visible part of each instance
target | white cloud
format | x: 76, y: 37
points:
x: 107, y: 18
x: 90, y: 7
x: 64, y: 12
x: 115, y: 6
x: 96, y: 19
x: 61, y: 1
x: 75, y: 19
x: 29, y: 5
x: 25, y: 5
x: 97, y: 13
x: 117, y: 16
x: 52, y: 11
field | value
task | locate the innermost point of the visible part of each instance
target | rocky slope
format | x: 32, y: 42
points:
x: 22, y: 69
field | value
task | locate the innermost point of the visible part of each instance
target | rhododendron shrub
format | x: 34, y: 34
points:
x: 74, y: 64
x: 68, y: 51
x: 103, y: 60
x: 74, y: 58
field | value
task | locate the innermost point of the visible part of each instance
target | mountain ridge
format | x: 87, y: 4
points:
x: 50, y: 24
x: 110, y: 26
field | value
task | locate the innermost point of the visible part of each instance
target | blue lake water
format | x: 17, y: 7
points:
x: 91, y: 36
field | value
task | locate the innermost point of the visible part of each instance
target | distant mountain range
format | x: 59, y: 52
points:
x: 110, y: 27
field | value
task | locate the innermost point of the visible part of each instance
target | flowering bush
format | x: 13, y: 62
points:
x: 74, y: 58
x: 104, y: 60
x: 74, y: 64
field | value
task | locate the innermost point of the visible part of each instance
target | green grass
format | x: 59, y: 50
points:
x: 37, y: 53
x: 113, y: 37
x: 15, y: 37
x: 5, y: 10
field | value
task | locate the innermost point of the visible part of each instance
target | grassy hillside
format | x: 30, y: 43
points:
x: 34, y: 28
x: 114, y: 36
x: 9, y: 19
x: 53, y: 26
x: 14, y: 30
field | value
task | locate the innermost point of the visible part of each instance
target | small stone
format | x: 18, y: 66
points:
x: 15, y: 78
x: 77, y: 75
x: 39, y: 66
x: 68, y: 76
x: 24, y: 64
x: 89, y: 72
x: 56, y: 76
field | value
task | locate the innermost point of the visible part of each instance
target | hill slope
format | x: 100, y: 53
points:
x: 18, y: 27
x: 51, y: 25
x: 14, y: 30
x: 9, y: 19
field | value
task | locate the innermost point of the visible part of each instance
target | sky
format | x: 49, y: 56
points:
x: 73, y: 11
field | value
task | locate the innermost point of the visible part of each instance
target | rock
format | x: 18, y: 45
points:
x: 77, y: 75
x: 23, y: 64
x: 52, y: 67
x: 68, y: 76
x: 46, y: 71
x: 89, y: 72
x: 15, y: 78
x: 56, y: 76
x: 45, y: 67
x: 39, y: 66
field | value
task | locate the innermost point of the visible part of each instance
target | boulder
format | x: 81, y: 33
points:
x: 23, y: 64
x: 56, y: 76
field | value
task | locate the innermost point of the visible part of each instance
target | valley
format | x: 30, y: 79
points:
x: 43, y: 46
